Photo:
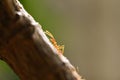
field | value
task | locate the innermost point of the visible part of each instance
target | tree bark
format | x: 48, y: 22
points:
x: 25, y: 47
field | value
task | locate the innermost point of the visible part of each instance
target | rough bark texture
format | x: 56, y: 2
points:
x: 25, y: 47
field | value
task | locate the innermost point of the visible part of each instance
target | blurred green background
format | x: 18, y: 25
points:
x: 89, y: 29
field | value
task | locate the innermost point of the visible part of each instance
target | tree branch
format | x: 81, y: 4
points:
x: 25, y: 47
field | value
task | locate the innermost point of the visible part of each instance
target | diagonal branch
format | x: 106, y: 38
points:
x: 25, y: 47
